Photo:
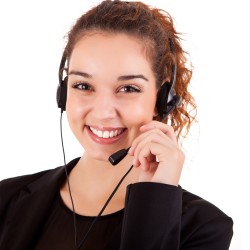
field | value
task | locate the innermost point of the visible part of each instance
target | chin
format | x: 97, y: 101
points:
x: 99, y: 156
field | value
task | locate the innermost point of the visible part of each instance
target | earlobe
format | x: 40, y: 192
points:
x: 155, y: 112
x: 156, y: 115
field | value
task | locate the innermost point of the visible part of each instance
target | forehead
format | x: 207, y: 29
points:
x: 118, y: 48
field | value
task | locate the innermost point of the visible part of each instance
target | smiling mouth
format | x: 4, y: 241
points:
x: 106, y: 134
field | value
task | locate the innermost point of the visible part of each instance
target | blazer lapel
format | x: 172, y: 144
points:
x: 28, y: 212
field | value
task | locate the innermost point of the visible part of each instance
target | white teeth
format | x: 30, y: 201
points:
x: 111, y: 134
x: 106, y: 134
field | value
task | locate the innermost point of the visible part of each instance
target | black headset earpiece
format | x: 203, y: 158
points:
x: 167, y: 100
x: 61, y: 93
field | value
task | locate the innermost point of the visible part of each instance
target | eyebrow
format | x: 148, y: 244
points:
x: 129, y: 77
x: 79, y: 73
x: 120, y: 78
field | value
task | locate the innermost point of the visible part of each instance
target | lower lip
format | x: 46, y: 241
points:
x: 105, y: 140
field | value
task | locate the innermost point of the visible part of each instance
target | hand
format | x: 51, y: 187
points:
x: 157, y: 153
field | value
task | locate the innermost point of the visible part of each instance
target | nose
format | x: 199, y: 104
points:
x: 104, y: 107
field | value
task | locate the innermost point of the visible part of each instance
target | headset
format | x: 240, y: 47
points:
x: 167, y: 101
x: 61, y: 93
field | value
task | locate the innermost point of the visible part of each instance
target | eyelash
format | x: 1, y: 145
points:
x: 133, y: 89
x: 125, y: 88
x: 82, y: 86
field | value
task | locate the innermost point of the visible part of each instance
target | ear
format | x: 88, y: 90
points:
x: 155, y: 111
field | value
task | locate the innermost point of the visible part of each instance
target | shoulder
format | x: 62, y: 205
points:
x: 13, y: 192
x: 166, y: 208
x: 203, y: 220
x: 12, y: 186
x: 15, y: 183
x: 37, y: 182
x: 197, y: 206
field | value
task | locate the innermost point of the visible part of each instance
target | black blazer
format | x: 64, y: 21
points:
x: 156, y: 216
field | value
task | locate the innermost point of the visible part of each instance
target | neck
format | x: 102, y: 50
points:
x: 101, y: 175
x: 93, y: 181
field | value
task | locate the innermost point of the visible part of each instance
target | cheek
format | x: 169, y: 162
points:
x: 75, y: 110
x: 141, y: 112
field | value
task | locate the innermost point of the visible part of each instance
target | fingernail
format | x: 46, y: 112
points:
x: 142, y: 127
x: 130, y: 150
x: 134, y: 162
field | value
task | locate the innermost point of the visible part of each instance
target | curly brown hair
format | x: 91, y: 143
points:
x: 154, y: 27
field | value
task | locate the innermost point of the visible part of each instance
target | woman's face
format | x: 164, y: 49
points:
x: 111, y: 92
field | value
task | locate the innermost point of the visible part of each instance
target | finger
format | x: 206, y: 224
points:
x: 148, y: 175
x: 148, y: 134
x: 146, y: 156
x: 166, y: 129
x: 154, y: 135
x: 151, y: 158
x: 146, y: 162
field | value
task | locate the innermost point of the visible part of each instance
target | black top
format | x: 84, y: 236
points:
x: 156, y: 216
x: 60, y: 217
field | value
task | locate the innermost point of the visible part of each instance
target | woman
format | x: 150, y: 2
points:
x: 125, y: 88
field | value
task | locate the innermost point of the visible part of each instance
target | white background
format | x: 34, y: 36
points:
x: 215, y: 34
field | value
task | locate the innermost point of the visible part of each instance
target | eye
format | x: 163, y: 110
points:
x: 129, y: 88
x: 82, y: 86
